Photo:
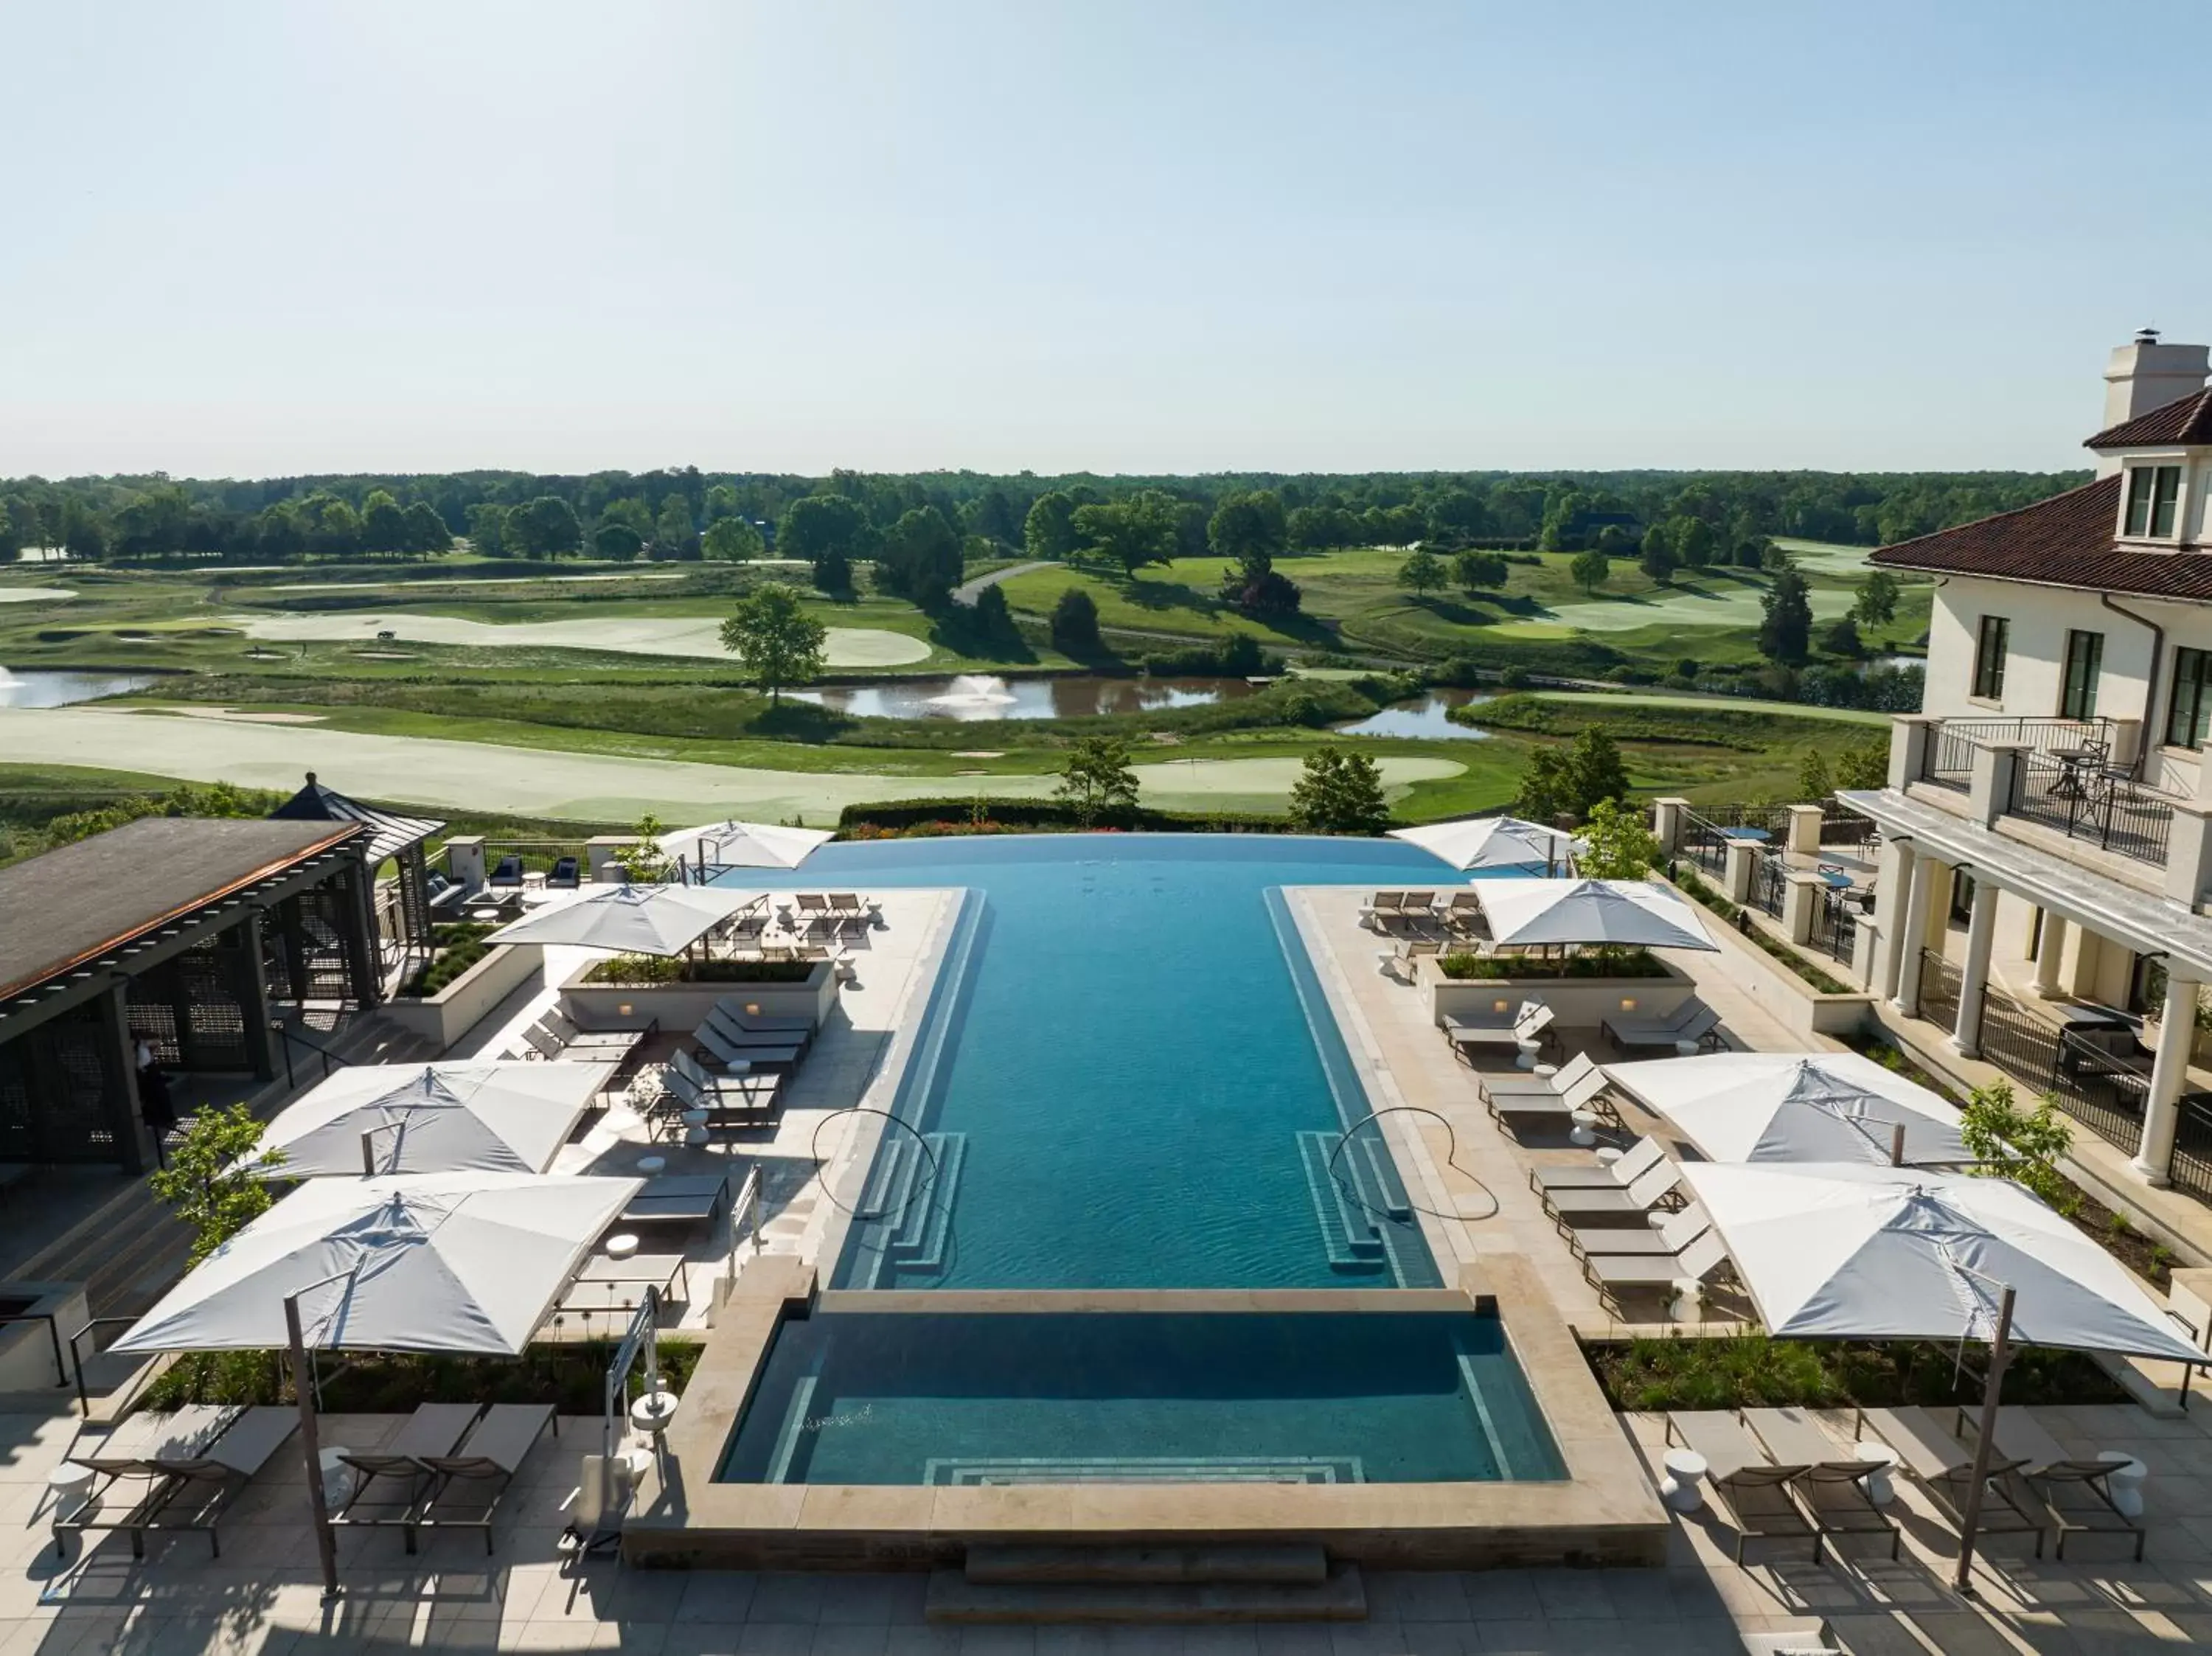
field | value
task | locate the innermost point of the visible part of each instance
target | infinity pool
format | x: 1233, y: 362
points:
x: 1136, y: 1083
x: 1250, y: 1396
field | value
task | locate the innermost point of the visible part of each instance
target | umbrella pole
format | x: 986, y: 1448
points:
x: 327, y: 1544
x: 1971, y: 1518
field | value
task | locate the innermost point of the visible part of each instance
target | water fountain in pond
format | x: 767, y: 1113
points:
x: 974, y: 690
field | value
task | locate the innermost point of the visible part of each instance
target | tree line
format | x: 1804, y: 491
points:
x: 911, y: 520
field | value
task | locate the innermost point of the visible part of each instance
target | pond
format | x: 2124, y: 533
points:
x: 986, y: 695
x: 1428, y: 717
x: 58, y: 689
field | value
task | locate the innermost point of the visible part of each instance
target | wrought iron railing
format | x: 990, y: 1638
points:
x: 1948, y: 760
x: 2084, y: 800
x: 1704, y: 844
x: 1835, y: 930
x: 1769, y: 882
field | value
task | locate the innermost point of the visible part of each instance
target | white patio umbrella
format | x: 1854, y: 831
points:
x: 630, y: 919
x: 458, y: 1262
x: 1796, y: 1107
x: 1846, y: 1251
x: 1624, y: 914
x: 433, y: 1117
x: 745, y: 845
x: 1493, y: 842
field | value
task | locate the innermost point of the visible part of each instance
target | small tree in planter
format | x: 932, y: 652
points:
x: 2022, y: 1145
x: 213, y: 1181
x: 1619, y: 846
x: 642, y: 861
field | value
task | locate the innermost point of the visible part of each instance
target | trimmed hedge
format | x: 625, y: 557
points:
x: 925, y: 817
x: 1754, y: 1371
x: 460, y: 945
x: 1484, y: 967
x: 571, y: 1376
x: 643, y: 971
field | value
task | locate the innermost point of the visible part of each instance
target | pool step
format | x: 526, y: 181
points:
x: 906, y: 1204
x: 1349, y: 1195
x: 1340, y: 1597
x: 1293, y: 1563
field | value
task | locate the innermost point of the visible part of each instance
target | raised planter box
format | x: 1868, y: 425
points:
x: 27, y: 1349
x: 451, y: 1013
x: 1802, y: 1009
x: 685, y: 1005
x: 1576, y: 1002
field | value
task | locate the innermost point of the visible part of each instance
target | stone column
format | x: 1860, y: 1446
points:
x: 1909, y: 737
x: 1804, y: 832
x: 465, y: 860
x: 1995, y: 782
x: 1981, y: 932
x: 2049, y: 954
x: 1666, y: 815
x: 2189, y: 853
x: 1899, y: 860
x: 2169, y: 1073
x: 1802, y: 892
x: 1743, y: 857
x: 1868, y: 957
x: 1912, y: 935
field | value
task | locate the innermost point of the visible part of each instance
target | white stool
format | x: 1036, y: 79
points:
x: 337, y: 1476
x: 1529, y: 1050
x: 1683, y: 1488
x: 694, y: 1128
x: 1584, y: 1130
x: 649, y: 1165
x: 71, y: 1485
x: 1883, y: 1458
x: 621, y: 1245
x: 1688, y: 1296
x: 2125, y: 1481
x: 1609, y: 1154
x: 1686, y: 1049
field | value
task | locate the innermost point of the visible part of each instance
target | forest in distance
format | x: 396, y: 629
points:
x: 689, y: 514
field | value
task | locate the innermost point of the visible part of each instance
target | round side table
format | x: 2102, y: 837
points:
x: 337, y: 1476
x: 1883, y: 1459
x: 1530, y: 1050
x: 1686, y: 1049
x: 1685, y: 1303
x: 1610, y: 1154
x: 622, y: 1245
x: 1584, y: 1130
x: 71, y: 1485
x: 2125, y: 1481
x: 1683, y: 1488
x: 649, y: 1165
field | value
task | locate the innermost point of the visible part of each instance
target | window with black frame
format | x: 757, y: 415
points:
x: 2154, y: 501
x: 2188, y: 705
x: 1989, y: 658
x: 2085, y: 665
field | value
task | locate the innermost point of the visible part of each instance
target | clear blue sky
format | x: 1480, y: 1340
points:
x: 278, y: 238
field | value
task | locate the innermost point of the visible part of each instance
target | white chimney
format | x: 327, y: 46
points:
x: 2144, y: 374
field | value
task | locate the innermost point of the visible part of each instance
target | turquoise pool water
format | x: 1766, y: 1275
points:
x: 1135, y: 1084
x: 930, y: 1398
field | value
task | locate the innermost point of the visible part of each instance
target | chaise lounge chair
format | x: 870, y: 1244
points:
x: 742, y: 1060
x: 1614, y: 1274
x: 435, y: 1428
x: 1944, y: 1469
x: 484, y: 1465
x: 1600, y: 1175
x: 732, y: 1012
x: 1833, y: 1488
x: 1588, y: 1208
x: 1675, y: 1232
x: 1756, y: 1490
x: 1530, y: 1024
x: 2076, y: 1493
x: 738, y: 1032
x: 1695, y: 1023
x: 1586, y: 1092
x: 192, y: 1464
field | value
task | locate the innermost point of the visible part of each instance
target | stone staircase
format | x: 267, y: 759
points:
x: 1220, y: 1583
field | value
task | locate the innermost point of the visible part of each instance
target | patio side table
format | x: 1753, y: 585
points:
x: 1683, y: 1488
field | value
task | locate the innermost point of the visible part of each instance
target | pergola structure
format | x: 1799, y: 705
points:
x: 391, y: 836
x: 170, y: 930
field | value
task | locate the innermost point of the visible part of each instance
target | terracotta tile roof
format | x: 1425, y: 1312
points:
x: 2065, y: 541
x: 2184, y: 419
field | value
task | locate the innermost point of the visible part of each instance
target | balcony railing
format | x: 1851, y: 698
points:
x: 2093, y: 803
x: 1948, y: 762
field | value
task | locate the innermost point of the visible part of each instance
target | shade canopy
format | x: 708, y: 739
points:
x: 1794, y: 1107
x: 745, y: 845
x: 459, y: 1262
x: 1846, y: 1251
x: 433, y: 1117
x: 630, y: 919
x: 1493, y: 842
x: 1624, y: 914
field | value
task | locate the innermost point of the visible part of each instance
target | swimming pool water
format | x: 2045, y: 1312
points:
x: 1139, y: 1084
x: 1009, y: 1398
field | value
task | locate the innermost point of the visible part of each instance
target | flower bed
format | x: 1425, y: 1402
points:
x: 1753, y: 1371
x: 1686, y: 881
x: 1527, y: 969
x: 648, y: 971
x: 460, y: 945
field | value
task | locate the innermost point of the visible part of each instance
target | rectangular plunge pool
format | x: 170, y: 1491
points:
x: 952, y: 1398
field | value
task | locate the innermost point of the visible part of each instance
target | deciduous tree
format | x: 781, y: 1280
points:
x: 1340, y: 790
x: 1876, y: 605
x: 1785, y: 634
x: 1048, y: 532
x: 1097, y: 778
x: 778, y: 641
x: 732, y: 540
x: 1422, y: 574
x: 1590, y: 570
x: 212, y: 1182
x: 1476, y: 571
x: 920, y: 559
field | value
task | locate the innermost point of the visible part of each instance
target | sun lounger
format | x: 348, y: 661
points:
x: 731, y: 1056
x: 742, y: 1100
x: 1383, y: 906
x: 1614, y: 1274
x: 1600, y: 1175
x: 1588, y: 1093
x: 678, y: 1200
x: 2075, y: 1493
x: 484, y: 1465
x: 614, y: 1046
x: 435, y: 1428
x: 1529, y: 1022
x: 1755, y: 1490
x: 1573, y: 1073
x: 1589, y: 1208
x: 1833, y: 1488
x: 1462, y: 914
x: 1695, y: 1023
x: 1676, y: 1232
x: 1944, y: 1468
x: 191, y: 1463
x: 741, y: 1033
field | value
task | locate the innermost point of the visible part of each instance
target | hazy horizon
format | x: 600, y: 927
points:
x: 258, y: 241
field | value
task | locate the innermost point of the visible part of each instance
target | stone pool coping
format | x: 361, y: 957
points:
x: 1604, y: 1512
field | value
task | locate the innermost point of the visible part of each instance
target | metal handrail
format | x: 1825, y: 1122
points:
x: 76, y: 1360
x: 746, y: 1206
x: 290, y: 1035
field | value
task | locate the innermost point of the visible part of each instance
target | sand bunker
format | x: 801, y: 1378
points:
x: 529, y: 781
x: 234, y: 713
x: 35, y: 594
x: 848, y: 646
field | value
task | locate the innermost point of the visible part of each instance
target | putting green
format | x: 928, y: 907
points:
x: 846, y: 647
x: 1717, y: 704
x: 1736, y: 607
x: 35, y: 594
x: 595, y: 788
